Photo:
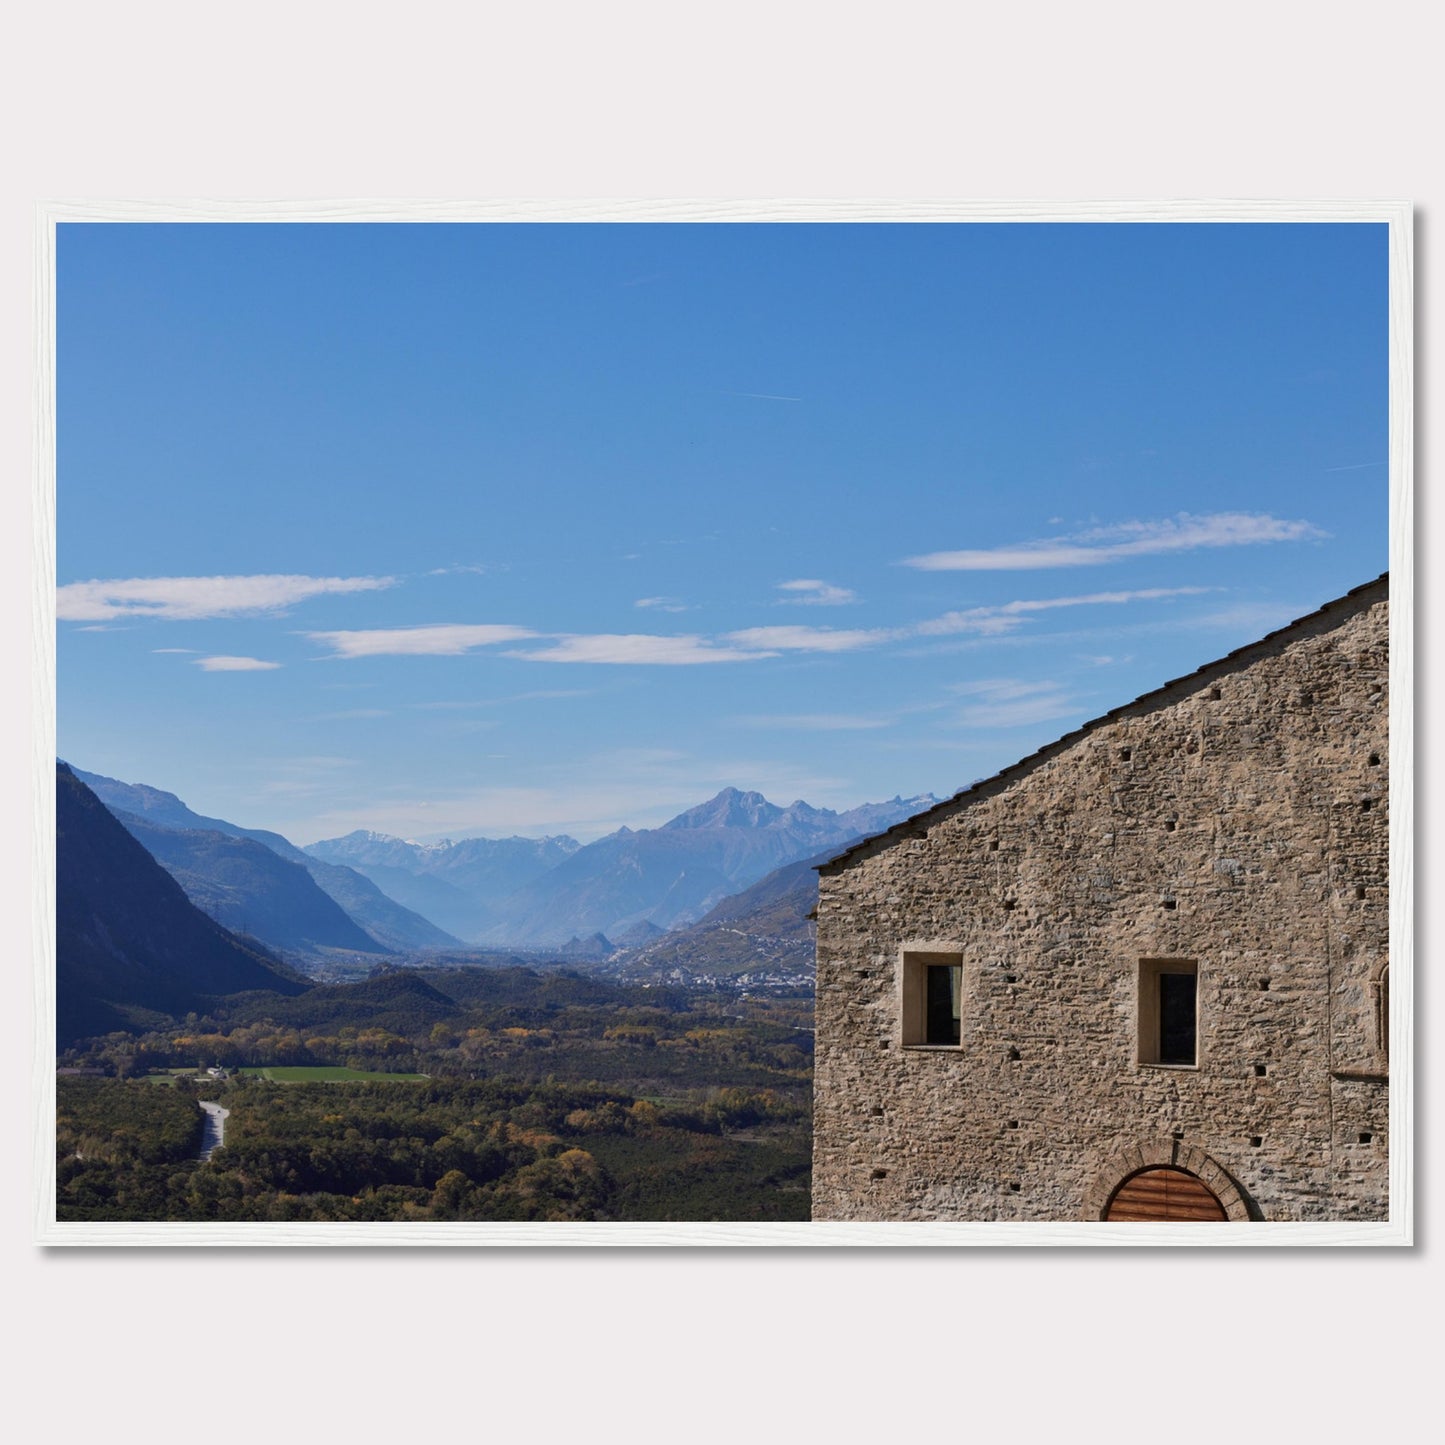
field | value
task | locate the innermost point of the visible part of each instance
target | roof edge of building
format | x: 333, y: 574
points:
x: 1351, y: 602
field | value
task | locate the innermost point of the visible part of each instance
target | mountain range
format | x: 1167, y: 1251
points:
x: 460, y: 886
x: 765, y: 931
x: 250, y: 889
x: 129, y: 943
x: 545, y: 893
x: 721, y: 889
x: 230, y: 872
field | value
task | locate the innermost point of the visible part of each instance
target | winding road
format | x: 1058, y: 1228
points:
x: 214, y: 1134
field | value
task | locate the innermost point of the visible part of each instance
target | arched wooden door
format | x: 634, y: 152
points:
x: 1163, y: 1194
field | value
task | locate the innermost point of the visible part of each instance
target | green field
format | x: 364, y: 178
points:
x: 328, y: 1074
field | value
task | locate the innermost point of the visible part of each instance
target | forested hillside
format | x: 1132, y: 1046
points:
x: 508, y: 1094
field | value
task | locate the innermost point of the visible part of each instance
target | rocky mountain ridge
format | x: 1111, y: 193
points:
x: 659, y: 878
x: 228, y: 882
x: 129, y: 943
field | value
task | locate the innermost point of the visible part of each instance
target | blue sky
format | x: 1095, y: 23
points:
x: 553, y: 528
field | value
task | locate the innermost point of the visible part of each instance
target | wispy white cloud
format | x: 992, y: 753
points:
x: 1006, y: 612
x: 980, y: 621
x: 235, y: 664
x: 762, y: 396
x: 746, y: 645
x: 480, y: 569
x: 190, y: 598
x: 817, y: 722
x: 351, y: 713
x: 810, y: 639
x: 810, y: 592
x: 1007, y: 702
x: 542, y: 695
x: 1002, y: 689
x: 156, y: 649
x: 636, y: 648
x: 662, y: 604
x: 445, y: 639
x: 1255, y: 618
x: 989, y: 621
x: 1182, y: 533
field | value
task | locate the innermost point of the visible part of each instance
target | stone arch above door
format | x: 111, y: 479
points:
x: 1134, y: 1157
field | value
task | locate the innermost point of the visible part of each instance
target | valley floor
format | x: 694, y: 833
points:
x: 462, y: 1094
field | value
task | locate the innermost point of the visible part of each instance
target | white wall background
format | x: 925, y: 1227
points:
x: 664, y: 100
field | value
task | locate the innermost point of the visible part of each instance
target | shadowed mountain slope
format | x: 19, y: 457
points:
x: 387, y: 922
x: 247, y: 887
x: 765, y: 929
x: 129, y: 943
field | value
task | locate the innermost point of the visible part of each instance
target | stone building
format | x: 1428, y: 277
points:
x: 1141, y: 974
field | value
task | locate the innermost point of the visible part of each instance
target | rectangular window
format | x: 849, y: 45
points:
x: 1176, y: 1018
x: 1168, y: 1019
x: 932, y: 1001
x: 945, y: 984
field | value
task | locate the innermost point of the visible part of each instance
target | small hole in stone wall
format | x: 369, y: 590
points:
x: 1260, y: 1071
x: 1178, y: 1133
x: 1306, y: 699
x: 1169, y: 903
x: 1010, y: 978
x: 1214, y: 694
x: 1125, y: 754
x: 1264, y: 985
x: 1014, y: 1055
x: 1374, y: 760
x: 1366, y: 804
x: 879, y: 1174
x: 1013, y: 1123
x: 1256, y: 1141
x: 1360, y: 891
x: 1014, y: 1188
x: 865, y: 973
x: 877, y: 1111
x: 993, y: 846
x: 1010, y: 904
x: 1170, y: 825
x: 1365, y: 1138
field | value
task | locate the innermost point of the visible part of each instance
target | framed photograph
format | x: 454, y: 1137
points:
x: 726, y: 724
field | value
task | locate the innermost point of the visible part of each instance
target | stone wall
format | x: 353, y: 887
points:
x: 1237, y: 819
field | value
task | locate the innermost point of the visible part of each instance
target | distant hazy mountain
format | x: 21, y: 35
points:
x: 639, y: 935
x: 509, y: 892
x: 247, y: 887
x: 674, y: 874
x: 457, y: 885
x: 597, y: 947
x: 389, y: 924
x: 128, y: 941
x: 765, y: 929
x: 448, y: 907
x: 386, y: 919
